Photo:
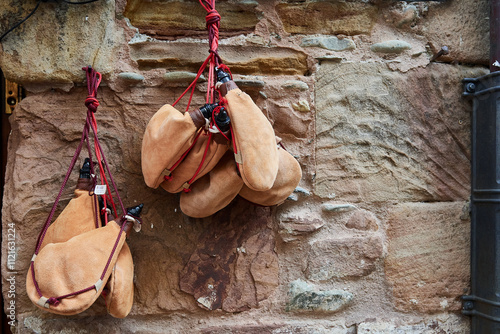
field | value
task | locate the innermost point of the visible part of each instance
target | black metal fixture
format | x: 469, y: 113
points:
x: 483, y: 302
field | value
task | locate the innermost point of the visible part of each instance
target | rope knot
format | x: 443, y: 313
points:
x: 53, y: 301
x: 213, y: 18
x: 187, y: 190
x: 167, y: 177
x: 91, y: 103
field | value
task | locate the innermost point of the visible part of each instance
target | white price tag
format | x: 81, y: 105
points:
x: 100, y: 189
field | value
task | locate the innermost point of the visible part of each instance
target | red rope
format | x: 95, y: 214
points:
x: 201, y: 163
x: 213, y: 24
x: 171, y: 169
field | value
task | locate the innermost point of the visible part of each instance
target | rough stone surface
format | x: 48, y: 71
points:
x: 393, y: 46
x: 162, y: 19
x: 295, y: 84
x: 235, y: 266
x: 57, y: 42
x: 302, y: 106
x: 307, y: 297
x: 131, y: 77
x: 182, y: 77
x: 336, y: 207
x: 241, y: 60
x: 343, y: 257
x: 294, y: 225
x: 329, y: 43
x: 377, y: 130
x: 379, y: 139
x: 183, y: 324
x: 452, y: 324
x: 363, y: 220
x: 454, y: 24
x: 325, y: 17
x: 428, y: 256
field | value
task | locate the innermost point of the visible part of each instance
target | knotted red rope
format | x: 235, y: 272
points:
x: 213, y: 60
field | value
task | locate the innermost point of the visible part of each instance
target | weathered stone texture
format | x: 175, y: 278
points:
x: 463, y: 26
x: 428, y: 256
x: 162, y: 19
x: 241, y: 59
x: 235, y: 266
x: 326, y: 17
x: 182, y: 324
x: 363, y: 220
x: 384, y: 135
x: 307, y: 297
x: 449, y: 324
x: 57, y: 41
x: 330, y: 43
x: 343, y: 257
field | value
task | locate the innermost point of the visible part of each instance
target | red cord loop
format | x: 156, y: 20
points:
x: 53, y: 301
x: 167, y: 177
x: 187, y: 190
x: 91, y: 103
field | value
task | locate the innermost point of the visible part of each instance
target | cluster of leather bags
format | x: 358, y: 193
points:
x: 78, y: 259
x: 73, y: 255
x: 181, y: 154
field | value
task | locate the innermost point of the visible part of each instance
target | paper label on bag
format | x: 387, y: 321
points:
x: 100, y: 189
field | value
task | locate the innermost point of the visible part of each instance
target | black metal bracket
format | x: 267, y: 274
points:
x: 469, y: 307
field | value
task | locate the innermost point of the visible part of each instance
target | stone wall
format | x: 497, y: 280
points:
x: 376, y: 237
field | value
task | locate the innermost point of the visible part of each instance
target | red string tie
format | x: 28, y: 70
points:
x: 91, y: 103
x: 187, y: 190
x: 53, y: 301
x: 167, y: 177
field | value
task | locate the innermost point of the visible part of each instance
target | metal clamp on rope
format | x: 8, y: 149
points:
x: 43, y: 302
x: 137, y: 223
x: 98, y: 285
x: 237, y: 158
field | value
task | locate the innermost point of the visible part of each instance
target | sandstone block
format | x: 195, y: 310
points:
x: 326, y: 17
x: 242, y: 60
x: 52, y: 46
x: 329, y: 43
x: 378, y: 139
x: 445, y: 24
x: 162, y: 19
x: 449, y: 324
x: 306, y: 297
x: 428, y: 256
x: 343, y: 257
